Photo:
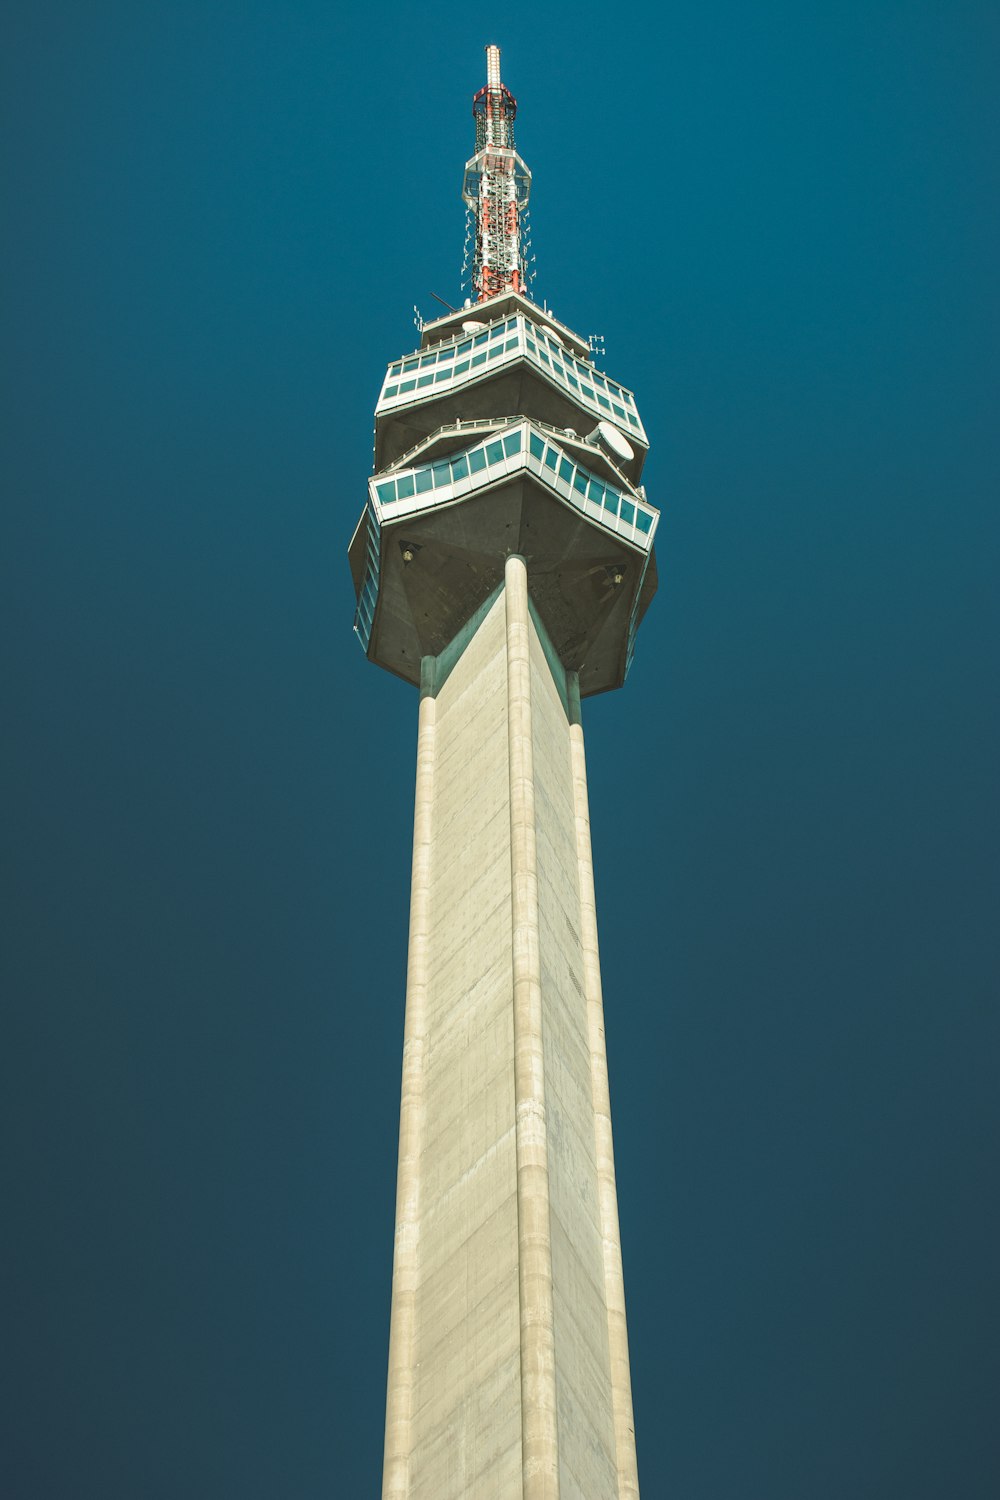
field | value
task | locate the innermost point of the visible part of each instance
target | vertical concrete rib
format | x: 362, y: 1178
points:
x: 405, y: 1266
x: 538, y: 1374
x: 614, y: 1285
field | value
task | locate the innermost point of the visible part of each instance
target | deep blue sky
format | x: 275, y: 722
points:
x: 784, y: 220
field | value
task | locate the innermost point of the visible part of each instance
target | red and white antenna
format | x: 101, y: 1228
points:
x: 496, y: 188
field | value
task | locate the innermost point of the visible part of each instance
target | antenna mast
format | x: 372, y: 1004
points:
x: 496, y: 188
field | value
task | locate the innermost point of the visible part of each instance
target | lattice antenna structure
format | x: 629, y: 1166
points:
x: 496, y: 187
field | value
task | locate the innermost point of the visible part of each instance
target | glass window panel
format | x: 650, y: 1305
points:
x: 479, y: 339
x: 580, y: 481
x: 596, y: 491
x: 497, y: 332
x: 428, y: 359
x: 459, y: 467
x: 633, y: 420
x: 551, y: 458
x: 409, y: 364
x: 643, y: 520
x: 478, y: 359
x: 611, y: 501
x: 494, y: 452
x: 573, y: 382
x: 510, y: 344
x: 587, y: 391
x: 619, y: 411
x: 391, y: 391
x: 442, y: 473
x: 536, y: 445
x: 565, y: 469
x: 461, y: 369
x: 464, y: 348
x: 477, y: 460
x: 497, y: 349
x: 512, y: 443
x: 407, y: 385
x: 604, y: 401
x: 426, y: 380
x: 443, y: 375
x: 404, y: 486
x: 386, y: 492
x: 542, y: 355
x: 628, y: 511
x: 425, y: 481
x: 445, y: 355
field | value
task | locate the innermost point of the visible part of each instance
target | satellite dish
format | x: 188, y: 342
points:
x: 473, y: 325
x: 607, y: 436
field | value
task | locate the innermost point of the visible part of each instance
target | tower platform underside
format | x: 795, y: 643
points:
x: 508, y: 1363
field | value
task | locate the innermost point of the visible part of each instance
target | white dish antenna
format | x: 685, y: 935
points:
x: 473, y: 325
x: 607, y: 436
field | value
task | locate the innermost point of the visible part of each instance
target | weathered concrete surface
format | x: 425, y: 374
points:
x: 508, y: 1361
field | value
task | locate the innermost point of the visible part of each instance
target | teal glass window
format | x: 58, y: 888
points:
x: 542, y: 355
x: 428, y: 359
x: 498, y: 331
x: 551, y: 458
x: 443, y: 375
x: 596, y: 491
x: 604, y: 401
x: 425, y: 480
x: 536, y: 445
x: 633, y: 420
x: 512, y: 443
x: 459, y: 467
x: 611, y: 502
x: 510, y: 344
x: 409, y: 364
x: 464, y: 348
x: 479, y: 339
x: 497, y: 349
x: 445, y: 355
x: 387, y: 492
x: 619, y: 411
x: 461, y: 369
x: 407, y: 385
x: 404, y: 486
x: 426, y: 380
x: 587, y: 391
x: 494, y: 452
x: 643, y: 521
x: 442, y: 473
x: 628, y: 511
x: 573, y: 381
x: 391, y: 391
x: 565, y: 469
x: 580, y: 481
x: 477, y: 460
x: 479, y: 359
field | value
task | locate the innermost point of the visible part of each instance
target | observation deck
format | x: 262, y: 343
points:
x: 515, y: 363
x: 431, y: 545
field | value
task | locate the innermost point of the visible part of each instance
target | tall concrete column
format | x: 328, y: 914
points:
x: 508, y: 1362
x: 538, y: 1379
x: 614, y: 1282
x: 402, y: 1323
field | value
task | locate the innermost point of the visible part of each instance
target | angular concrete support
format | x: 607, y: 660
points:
x: 614, y: 1282
x: 534, y: 1239
x: 402, y: 1323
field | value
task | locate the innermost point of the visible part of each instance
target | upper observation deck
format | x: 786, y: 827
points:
x: 432, y: 543
x: 514, y: 364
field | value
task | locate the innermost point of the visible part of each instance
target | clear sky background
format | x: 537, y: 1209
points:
x: 783, y: 218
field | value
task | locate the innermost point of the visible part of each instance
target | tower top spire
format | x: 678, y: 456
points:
x: 496, y: 188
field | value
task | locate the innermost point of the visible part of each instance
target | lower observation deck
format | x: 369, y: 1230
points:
x: 431, y: 547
